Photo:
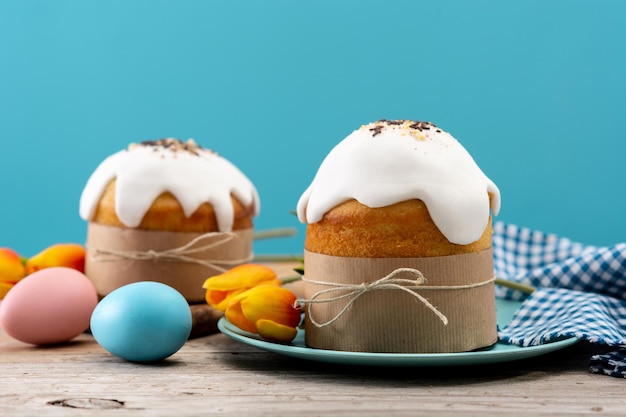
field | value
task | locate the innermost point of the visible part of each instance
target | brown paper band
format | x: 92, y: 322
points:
x: 180, y: 254
x: 350, y: 313
x: 118, y: 256
x: 388, y: 282
x: 460, y: 269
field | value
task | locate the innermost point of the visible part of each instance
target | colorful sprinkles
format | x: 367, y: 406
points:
x: 415, y: 128
x: 173, y: 145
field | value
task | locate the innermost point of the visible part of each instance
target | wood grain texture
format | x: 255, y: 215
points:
x: 214, y: 375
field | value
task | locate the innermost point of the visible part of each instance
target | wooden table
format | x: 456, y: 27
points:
x: 214, y: 375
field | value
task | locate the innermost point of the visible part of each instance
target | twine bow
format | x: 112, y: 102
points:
x: 179, y: 254
x: 388, y: 282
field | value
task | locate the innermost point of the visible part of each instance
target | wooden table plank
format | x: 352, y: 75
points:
x: 215, y: 375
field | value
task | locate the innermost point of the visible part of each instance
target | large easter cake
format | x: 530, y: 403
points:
x: 398, y: 244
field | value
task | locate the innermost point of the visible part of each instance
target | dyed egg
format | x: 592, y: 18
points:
x: 142, y: 322
x: 52, y: 305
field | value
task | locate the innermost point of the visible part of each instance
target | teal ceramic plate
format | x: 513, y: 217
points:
x: 500, y: 352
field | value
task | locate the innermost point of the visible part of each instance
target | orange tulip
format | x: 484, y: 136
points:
x: 269, y: 311
x: 220, y: 289
x: 11, y: 270
x: 4, y: 288
x: 70, y: 255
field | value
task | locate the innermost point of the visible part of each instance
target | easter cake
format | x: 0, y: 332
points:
x: 167, y: 211
x: 398, y: 244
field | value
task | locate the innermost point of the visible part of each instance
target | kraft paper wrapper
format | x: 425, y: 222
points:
x: 393, y: 321
x: 186, y: 277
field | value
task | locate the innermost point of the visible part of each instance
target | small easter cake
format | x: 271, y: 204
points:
x: 398, y: 244
x: 167, y: 211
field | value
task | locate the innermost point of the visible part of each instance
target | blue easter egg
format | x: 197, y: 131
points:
x: 142, y: 322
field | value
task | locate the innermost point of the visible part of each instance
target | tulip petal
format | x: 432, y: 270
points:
x: 4, y: 288
x: 221, y: 299
x: 240, y: 295
x: 271, y: 303
x: 71, y: 255
x: 220, y: 289
x: 242, y: 276
x: 215, y: 298
x: 275, y: 332
x: 235, y: 316
x: 11, y: 266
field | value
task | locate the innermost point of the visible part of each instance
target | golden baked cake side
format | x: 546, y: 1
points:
x: 166, y: 214
x: 401, y: 230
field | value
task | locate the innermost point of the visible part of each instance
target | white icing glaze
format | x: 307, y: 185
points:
x: 143, y: 172
x: 384, y: 163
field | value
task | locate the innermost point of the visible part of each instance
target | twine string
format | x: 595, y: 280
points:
x: 179, y: 254
x: 388, y: 282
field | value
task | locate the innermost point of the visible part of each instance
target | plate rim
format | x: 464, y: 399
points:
x: 507, y: 353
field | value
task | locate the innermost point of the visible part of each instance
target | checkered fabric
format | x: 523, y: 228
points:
x: 554, y: 313
x: 581, y: 292
x: 611, y: 364
x: 546, y: 261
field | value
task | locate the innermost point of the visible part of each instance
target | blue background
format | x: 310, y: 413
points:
x: 535, y: 90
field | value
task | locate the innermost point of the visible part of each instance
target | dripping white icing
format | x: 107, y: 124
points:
x: 192, y: 174
x: 388, y: 162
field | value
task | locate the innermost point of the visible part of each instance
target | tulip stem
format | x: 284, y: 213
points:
x: 526, y: 289
x: 278, y: 258
x: 272, y: 233
x: 289, y: 280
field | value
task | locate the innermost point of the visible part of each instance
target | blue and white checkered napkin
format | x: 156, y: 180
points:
x: 581, y: 292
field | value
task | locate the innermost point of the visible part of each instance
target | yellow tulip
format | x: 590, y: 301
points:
x: 4, y: 288
x: 220, y: 289
x: 11, y: 270
x: 71, y: 255
x: 269, y: 311
x: 275, y: 332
